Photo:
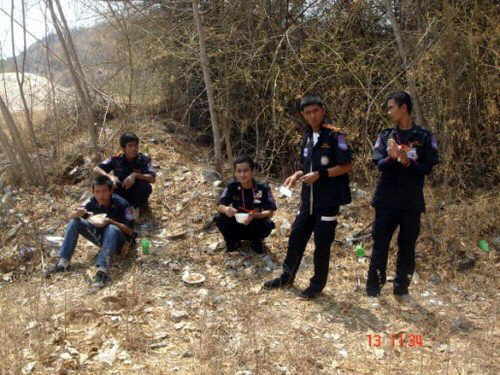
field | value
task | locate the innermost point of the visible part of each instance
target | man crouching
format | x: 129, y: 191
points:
x: 109, y: 230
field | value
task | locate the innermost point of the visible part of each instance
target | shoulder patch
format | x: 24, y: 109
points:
x: 341, y: 142
x: 434, y: 142
x: 224, y: 192
x: 332, y: 127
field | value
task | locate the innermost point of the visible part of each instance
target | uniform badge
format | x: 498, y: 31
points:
x: 258, y: 195
x: 306, y: 152
x: 325, y: 145
x: 412, y: 154
x: 324, y: 160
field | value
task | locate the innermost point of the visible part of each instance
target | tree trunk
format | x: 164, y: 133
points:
x: 208, y: 85
x: 28, y: 167
x: 72, y: 50
x: 78, y: 81
x: 8, y: 149
x: 20, y: 74
x: 404, y: 57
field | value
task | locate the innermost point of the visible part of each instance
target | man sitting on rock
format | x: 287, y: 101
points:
x: 109, y: 232
x: 245, y: 208
x: 132, y: 175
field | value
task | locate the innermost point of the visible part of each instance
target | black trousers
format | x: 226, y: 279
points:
x: 386, y: 222
x: 232, y: 231
x: 137, y: 195
x: 323, y: 226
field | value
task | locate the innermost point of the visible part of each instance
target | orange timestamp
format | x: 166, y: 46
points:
x: 401, y: 339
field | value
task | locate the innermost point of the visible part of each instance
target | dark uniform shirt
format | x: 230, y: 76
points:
x: 399, y: 186
x: 259, y: 198
x: 119, y: 210
x: 329, y: 151
x: 122, y: 167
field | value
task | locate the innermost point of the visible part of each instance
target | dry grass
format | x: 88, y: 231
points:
x: 231, y: 324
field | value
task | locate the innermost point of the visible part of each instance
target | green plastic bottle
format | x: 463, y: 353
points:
x: 145, y: 245
x: 483, y: 245
x: 360, y: 251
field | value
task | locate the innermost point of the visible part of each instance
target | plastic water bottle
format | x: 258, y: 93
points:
x: 360, y: 251
x: 483, y: 245
x: 145, y: 245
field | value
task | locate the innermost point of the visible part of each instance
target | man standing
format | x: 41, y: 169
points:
x: 133, y: 173
x: 403, y: 155
x: 326, y: 162
x: 109, y: 234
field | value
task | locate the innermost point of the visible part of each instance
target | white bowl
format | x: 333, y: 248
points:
x: 193, y: 278
x: 97, y: 220
x: 285, y: 191
x: 241, y: 217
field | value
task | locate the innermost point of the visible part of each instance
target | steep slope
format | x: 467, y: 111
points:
x: 149, y: 321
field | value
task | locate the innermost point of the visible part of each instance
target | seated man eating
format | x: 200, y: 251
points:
x: 245, y: 208
x: 133, y: 173
x: 109, y: 231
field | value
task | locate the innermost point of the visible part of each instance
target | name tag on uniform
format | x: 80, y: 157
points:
x: 324, y: 160
x: 325, y: 145
x: 257, y: 201
x: 306, y: 152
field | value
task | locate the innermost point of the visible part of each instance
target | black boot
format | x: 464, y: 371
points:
x: 309, y: 293
x: 279, y: 282
x: 232, y: 245
x: 257, y: 246
x: 101, y: 279
x: 374, y: 283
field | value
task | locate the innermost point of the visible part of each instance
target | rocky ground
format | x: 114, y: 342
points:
x: 150, y: 321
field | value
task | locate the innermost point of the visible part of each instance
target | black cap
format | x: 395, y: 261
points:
x: 310, y: 100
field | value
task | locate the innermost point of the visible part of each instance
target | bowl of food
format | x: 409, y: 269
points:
x: 193, y: 278
x: 241, y: 217
x: 98, y: 220
x: 285, y: 191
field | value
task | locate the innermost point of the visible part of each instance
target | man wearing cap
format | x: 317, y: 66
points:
x: 325, y: 164
x: 403, y: 155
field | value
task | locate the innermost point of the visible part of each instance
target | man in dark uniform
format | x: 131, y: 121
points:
x: 110, y: 234
x: 403, y: 155
x: 326, y: 162
x: 245, y: 195
x: 133, y: 173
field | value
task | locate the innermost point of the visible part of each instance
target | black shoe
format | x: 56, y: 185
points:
x: 257, y: 246
x: 403, y: 298
x: 309, y: 293
x: 232, y: 246
x: 101, y: 278
x: 400, y: 290
x: 55, y: 268
x: 279, y: 282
